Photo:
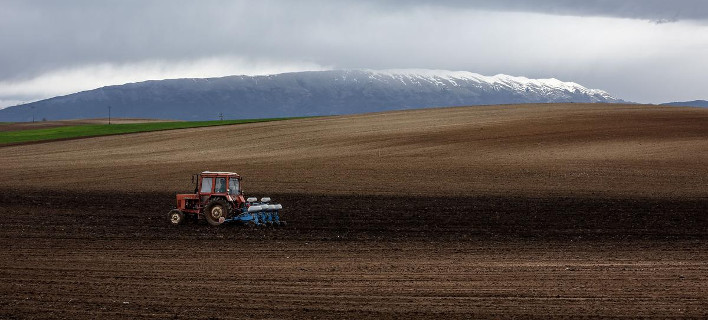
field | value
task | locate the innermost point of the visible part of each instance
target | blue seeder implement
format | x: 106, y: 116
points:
x: 259, y: 213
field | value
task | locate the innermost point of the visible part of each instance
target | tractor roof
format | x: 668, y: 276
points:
x: 219, y: 173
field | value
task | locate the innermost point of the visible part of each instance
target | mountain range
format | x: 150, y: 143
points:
x: 694, y: 103
x: 303, y: 94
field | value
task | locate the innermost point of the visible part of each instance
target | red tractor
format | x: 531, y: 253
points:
x: 218, y: 198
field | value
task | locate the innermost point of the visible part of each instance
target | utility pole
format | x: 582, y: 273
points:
x: 109, y: 114
x: 32, y: 114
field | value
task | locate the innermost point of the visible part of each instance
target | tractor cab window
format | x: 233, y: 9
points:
x: 233, y: 186
x: 206, y: 185
x: 220, y: 185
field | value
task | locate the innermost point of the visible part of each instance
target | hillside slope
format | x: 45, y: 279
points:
x: 303, y: 94
x: 556, y: 149
x: 694, y: 103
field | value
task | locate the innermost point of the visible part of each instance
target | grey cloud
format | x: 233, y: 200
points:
x: 39, y: 37
x: 661, y: 11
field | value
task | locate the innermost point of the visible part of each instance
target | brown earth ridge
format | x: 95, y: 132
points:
x: 531, y: 211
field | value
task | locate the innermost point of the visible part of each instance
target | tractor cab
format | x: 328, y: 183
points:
x: 221, y: 184
x: 218, y: 198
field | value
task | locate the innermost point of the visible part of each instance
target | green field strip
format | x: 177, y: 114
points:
x: 94, y: 130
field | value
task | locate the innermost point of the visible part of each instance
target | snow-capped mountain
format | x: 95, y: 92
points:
x: 303, y: 94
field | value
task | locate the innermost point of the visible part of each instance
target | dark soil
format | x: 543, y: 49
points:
x: 144, y: 215
x: 114, y: 255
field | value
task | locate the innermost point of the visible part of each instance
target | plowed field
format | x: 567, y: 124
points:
x: 533, y: 211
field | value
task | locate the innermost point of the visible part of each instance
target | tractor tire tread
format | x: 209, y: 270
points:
x: 208, y: 207
x: 180, y: 220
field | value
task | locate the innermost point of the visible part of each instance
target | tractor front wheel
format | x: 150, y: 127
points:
x: 215, y: 212
x: 176, y: 217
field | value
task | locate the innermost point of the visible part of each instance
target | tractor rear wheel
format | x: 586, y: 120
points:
x: 216, y: 211
x: 176, y: 217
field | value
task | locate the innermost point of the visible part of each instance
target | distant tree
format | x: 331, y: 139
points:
x: 44, y: 119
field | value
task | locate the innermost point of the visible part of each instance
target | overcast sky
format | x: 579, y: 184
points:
x: 639, y: 50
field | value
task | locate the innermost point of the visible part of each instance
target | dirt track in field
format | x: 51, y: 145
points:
x: 378, y: 280
x: 540, y: 211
